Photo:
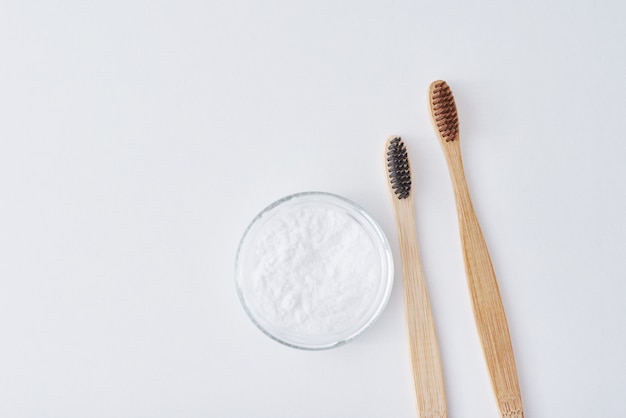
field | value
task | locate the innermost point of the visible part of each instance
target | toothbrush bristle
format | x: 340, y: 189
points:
x: 444, y: 113
x: 398, y: 168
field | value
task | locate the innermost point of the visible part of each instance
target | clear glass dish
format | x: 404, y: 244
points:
x: 313, y: 270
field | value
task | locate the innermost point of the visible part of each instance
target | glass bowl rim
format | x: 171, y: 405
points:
x: 382, y: 247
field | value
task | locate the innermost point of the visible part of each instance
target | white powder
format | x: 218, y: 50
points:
x: 315, y: 271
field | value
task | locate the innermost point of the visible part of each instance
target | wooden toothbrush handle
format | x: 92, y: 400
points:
x: 486, y: 300
x: 424, y: 349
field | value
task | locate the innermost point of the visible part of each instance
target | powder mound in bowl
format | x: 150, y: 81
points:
x: 313, y: 270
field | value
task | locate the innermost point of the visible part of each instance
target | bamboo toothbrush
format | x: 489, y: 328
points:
x: 487, y: 303
x: 425, y: 360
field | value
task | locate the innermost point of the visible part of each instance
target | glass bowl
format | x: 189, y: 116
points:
x: 313, y: 270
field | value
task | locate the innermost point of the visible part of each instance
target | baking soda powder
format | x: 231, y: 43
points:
x: 315, y: 272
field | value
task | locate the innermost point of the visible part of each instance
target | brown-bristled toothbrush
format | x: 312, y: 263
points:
x: 425, y: 359
x: 486, y: 300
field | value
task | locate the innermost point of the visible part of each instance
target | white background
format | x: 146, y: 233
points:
x: 139, y: 138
